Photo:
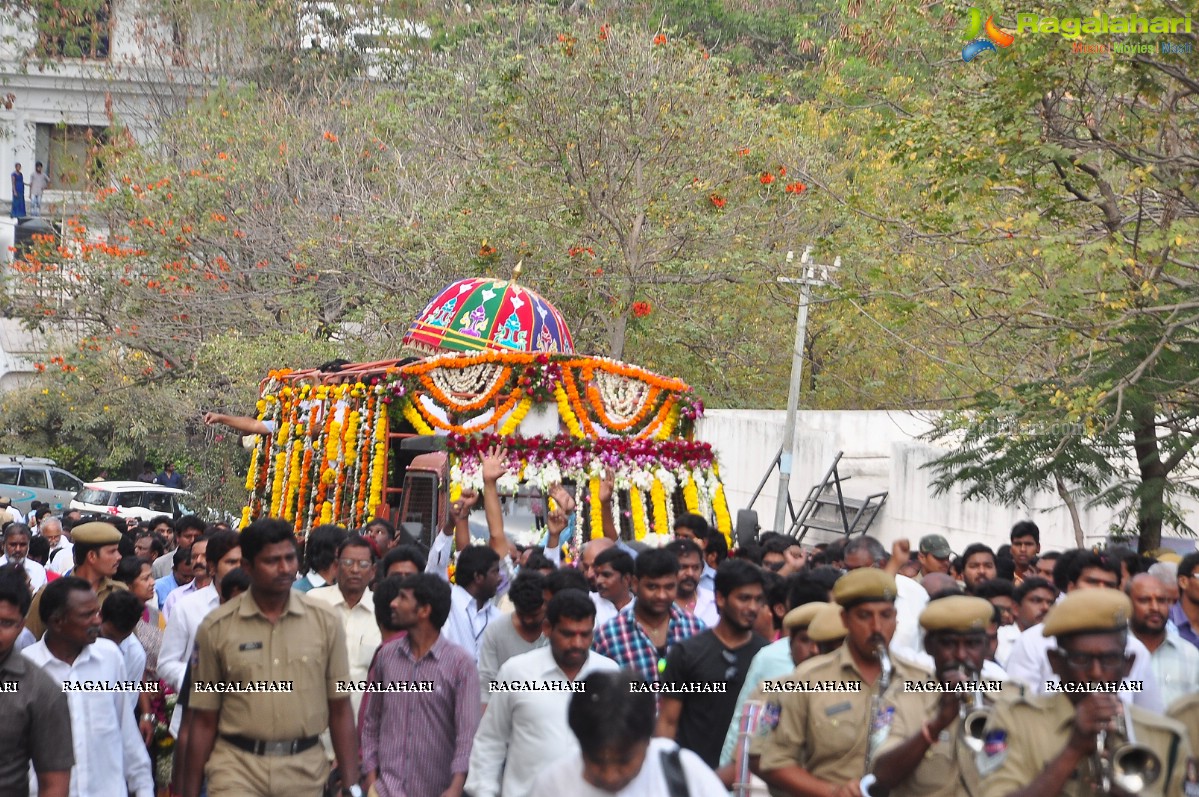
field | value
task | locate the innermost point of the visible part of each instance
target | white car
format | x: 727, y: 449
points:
x: 139, y: 500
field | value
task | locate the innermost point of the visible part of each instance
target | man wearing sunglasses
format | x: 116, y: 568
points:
x: 1050, y: 744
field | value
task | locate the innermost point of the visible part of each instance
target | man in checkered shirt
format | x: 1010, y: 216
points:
x: 639, y: 637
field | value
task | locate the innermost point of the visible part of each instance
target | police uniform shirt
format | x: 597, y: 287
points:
x: 33, y: 620
x: 949, y: 767
x: 1186, y: 712
x: 1025, y: 734
x: 304, y: 651
x: 825, y: 732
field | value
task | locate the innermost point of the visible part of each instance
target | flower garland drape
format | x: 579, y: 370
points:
x: 326, y: 461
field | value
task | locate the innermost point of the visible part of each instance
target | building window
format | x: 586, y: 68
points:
x: 72, y: 155
x: 74, y: 28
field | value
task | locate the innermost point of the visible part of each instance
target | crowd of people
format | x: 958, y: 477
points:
x: 177, y: 657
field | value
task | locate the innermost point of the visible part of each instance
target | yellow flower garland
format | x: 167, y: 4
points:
x: 333, y: 444
x: 597, y: 511
x: 668, y: 427
x: 566, y: 414
x: 658, y: 496
x: 413, y: 417
x: 277, y: 487
x: 690, y: 493
x: 252, y: 473
x: 245, y: 518
x: 724, y: 522
x: 637, y: 510
x: 293, y: 483
x: 516, y: 417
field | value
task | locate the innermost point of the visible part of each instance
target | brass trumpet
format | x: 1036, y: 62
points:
x: 1130, y: 767
x: 974, y: 716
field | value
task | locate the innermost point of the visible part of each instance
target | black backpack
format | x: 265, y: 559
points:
x: 672, y: 770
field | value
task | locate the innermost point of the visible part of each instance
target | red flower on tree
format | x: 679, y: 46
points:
x: 717, y: 201
x: 642, y: 309
x: 766, y: 179
x: 660, y: 39
x: 795, y: 188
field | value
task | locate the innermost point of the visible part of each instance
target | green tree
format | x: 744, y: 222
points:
x: 1082, y: 263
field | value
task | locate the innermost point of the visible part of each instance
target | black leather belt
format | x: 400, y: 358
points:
x: 258, y: 747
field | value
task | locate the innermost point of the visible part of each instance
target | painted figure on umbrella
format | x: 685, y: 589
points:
x: 511, y: 335
x: 474, y: 323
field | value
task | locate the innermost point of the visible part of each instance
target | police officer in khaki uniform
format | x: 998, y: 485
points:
x: 266, y: 743
x: 826, y: 629
x: 1039, y: 745
x: 820, y: 738
x: 930, y: 756
x: 97, y: 554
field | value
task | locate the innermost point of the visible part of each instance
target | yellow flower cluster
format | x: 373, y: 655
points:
x: 637, y: 510
x: 597, y: 511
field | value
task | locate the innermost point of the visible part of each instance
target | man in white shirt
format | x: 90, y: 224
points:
x: 868, y: 552
x: 222, y: 553
x: 61, y: 558
x: 613, y: 722
x: 700, y: 601
x: 477, y: 577
x: 110, y: 757
x: 201, y: 578
x: 521, y: 725
x: 16, y: 551
x: 1175, y: 661
x: 119, y: 615
x: 1029, y: 660
x: 355, y: 605
x: 614, y: 582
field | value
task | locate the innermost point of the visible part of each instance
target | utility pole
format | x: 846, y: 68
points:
x: 812, y: 275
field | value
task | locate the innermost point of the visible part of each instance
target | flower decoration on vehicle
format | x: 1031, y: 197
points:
x: 493, y: 392
x: 327, y: 459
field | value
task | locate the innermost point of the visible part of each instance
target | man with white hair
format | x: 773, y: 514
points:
x: 62, y: 551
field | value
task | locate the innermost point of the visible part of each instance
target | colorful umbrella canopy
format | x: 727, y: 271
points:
x: 479, y: 313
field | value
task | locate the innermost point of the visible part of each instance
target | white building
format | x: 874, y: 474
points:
x: 883, y: 452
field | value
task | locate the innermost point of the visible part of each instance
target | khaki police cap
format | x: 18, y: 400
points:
x: 1088, y: 610
x: 827, y: 626
x: 801, y: 616
x: 95, y: 533
x: 864, y: 584
x: 958, y: 613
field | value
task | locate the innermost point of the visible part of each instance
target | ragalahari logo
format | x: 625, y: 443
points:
x: 992, y: 35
